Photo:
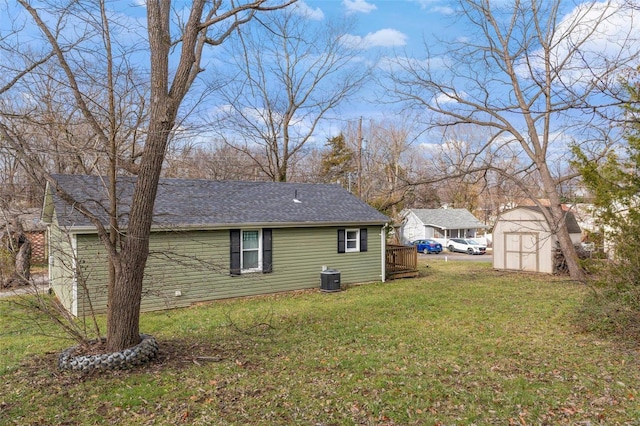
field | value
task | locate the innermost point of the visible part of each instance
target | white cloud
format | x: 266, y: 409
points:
x: 425, y: 3
x: 446, y: 98
x: 430, y: 147
x: 299, y: 125
x: 358, y: 6
x: 305, y: 10
x: 444, y: 10
x: 605, y: 32
x: 383, y: 38
x: 387, y: 37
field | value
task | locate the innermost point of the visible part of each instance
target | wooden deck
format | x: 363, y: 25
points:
x: 401, y: 261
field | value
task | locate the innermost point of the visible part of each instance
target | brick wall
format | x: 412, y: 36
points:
x: 38, y: 252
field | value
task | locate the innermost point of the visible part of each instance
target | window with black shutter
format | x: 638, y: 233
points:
x: 341, y: 240
x: 234, y: 244
x: 267, y: 258
x: 363, y: 239
x: 352, y: 240
x: 250, y: 251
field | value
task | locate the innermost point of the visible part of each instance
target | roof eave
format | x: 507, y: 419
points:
x: 213, y: 227
x: 456, y: 226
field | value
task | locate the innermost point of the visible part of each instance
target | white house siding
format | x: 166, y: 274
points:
x: 412, y: 229
x: 62, y: 266
x: 438, y: 224
x: 195, y: 265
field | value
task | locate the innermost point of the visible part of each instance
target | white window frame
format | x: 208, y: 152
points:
x: 242, y: 250
x: 348, y: 249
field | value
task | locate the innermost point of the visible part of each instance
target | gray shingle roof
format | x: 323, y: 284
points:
x: 449, y: 218
x: 203, y: 203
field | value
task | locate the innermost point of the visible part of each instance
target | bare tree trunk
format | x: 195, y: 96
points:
x: 558, y: 224
x: 124, y: 314
x: 23, y: 259
x: 19, y: 264
x: 123, y: 317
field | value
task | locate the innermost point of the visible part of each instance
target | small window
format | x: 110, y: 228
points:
x: 251, y: 252
x: 352, y: 240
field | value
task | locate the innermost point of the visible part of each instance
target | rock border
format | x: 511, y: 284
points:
x: 137, y: 355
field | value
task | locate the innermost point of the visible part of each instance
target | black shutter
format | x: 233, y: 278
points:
x: 234, y: 244
x: 341, y: 240
x: 363, y: 239
x: 267, y: 258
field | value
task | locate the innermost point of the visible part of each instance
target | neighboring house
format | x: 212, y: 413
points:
x: 439, y: 224
x: 523, y: 240
x: 33, y: 228
x: 217, y: 239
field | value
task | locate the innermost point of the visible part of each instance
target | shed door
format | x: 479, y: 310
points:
x: 521, y: 251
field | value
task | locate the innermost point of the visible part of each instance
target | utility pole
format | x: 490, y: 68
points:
x: 360, y: 158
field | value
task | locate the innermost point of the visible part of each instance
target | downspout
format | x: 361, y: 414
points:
x: 383, y: 244
x: 74, y: 268
x: 49, y: 258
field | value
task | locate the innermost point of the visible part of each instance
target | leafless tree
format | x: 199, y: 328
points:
x: 214, y: 162
x: 382, y: 154
x: 78, y: 39
x: 536, y: 76
x: 486, y: 192
x: 292, y: 72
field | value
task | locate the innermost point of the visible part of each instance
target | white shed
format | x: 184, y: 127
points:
x: 523, y: 241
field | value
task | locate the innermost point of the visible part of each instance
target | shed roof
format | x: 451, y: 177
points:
x: 449, y: 218
x: 192, y: 203
x: 572, y: 224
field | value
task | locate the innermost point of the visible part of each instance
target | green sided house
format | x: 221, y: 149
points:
x: 215, y: 239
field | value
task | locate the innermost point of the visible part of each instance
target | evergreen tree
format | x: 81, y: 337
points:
x: 337, y: 161
x: 615, y: 185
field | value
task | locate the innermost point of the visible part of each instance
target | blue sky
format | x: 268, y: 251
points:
x: 399, y: 28
x: 396, y: 24
x: 391, y: 28
x: 386, y: 28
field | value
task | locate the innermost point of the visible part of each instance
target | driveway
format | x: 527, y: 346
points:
x: 447, y: 256
x: 39, y: 284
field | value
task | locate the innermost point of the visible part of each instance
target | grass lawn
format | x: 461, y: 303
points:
x: 462, y: 344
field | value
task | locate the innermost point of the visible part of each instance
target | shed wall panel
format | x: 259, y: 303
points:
x: 521, y: 251
x: 523, y: 222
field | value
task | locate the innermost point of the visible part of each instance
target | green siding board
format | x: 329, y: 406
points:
x: 196, y: 264
x: 92, y: 274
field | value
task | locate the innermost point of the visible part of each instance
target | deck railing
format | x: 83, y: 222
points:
x: 401, y: 261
